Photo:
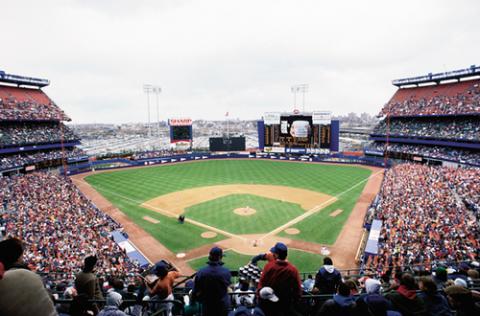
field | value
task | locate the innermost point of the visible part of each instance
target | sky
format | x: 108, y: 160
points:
x: 242, y: 57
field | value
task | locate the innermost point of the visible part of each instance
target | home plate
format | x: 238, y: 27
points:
x: 181, y: 255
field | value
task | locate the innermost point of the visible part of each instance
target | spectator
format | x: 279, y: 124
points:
x: 372, y: 303
x: 327, y: 279
x: 268, y: 256
x: 211, y: 285
x: 343, y: 303
x: 405, y: 299
x: 162, y: 289
x: 87, y: 284
x: 243, y: 295
x: 440, y: 277
x: 114, y: 300
x: 308, y: 283
x: 21, y: 291
x: 283, y: 278
x: 462, y: 301
x: 435, y: 303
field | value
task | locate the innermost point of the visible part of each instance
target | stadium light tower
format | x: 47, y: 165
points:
x: 147, y: 88
x: 157, y: 90
x: 303, y: 88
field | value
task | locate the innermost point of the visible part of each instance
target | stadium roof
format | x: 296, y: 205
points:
x: 22, y: 80
x: 472, y: 71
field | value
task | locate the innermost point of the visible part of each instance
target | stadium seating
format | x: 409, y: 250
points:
x: 433, y: 122
x: 461, y: 129
x: 59, y: 226
x: 20, y: 134
x: 32, y: 132
x: 24, y: 104
x: 429, y: 214
x: 49, y: 157
x: 398, y: 150
x: 446, y: 99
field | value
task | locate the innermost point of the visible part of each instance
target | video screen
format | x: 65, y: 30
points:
x: 295, y: 130
x: 181, y: 133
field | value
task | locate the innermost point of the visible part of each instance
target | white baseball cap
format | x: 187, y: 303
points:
x: 267, y: 293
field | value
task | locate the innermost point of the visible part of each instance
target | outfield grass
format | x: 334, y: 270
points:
x: 304, y: 261
x: 127, y: 189
x: 269, y: 213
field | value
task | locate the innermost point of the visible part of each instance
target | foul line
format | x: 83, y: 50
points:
x: 316, y: 208
x: 310, y: 212
x: 160, y: 210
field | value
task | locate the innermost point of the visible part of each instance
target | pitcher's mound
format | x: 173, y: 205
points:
x: 208, y: 235
x: 244, y: 211
x: 292, y: 231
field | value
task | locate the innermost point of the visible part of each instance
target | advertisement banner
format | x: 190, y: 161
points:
x: 180, y: 122
x: 271, y: 118
x: 321, y: 117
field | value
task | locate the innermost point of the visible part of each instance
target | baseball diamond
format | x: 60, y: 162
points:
x: 282, y: 197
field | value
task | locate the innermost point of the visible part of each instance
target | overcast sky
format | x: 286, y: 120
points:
x: 214, y: 56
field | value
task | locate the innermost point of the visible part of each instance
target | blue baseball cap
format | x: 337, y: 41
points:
x: 216, y: 253
x: 160, y: 269
x: 280, y: 249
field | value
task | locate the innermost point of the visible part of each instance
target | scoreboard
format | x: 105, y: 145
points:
x: 302, y: 132
x: 180, y: 130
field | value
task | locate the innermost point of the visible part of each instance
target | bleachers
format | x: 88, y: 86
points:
x: 445, y: 99
x: 26, y: 104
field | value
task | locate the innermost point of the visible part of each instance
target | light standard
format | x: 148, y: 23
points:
x: 303, y: 88
x: 148, y: 88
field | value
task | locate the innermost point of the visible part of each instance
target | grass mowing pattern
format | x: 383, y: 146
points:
x: 269, y: 213
x: 304, y: 261
x: 323, y: 228
x: 126, y: 189
x: 178, y: 237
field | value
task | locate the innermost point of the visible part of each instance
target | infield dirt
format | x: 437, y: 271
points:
x: 175, y: 203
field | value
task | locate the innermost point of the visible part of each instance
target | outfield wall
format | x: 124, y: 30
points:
x: 125, y: 163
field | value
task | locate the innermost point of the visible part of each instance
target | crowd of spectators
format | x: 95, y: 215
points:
x: 211, y: 291
x: 425, y: 217
x: 58, y: 226
x: 24, y: 159
x: 447, y: 128
x: 39, y: 133
x: 11, y: 109
x: 153, y: 154
x: 438, y: 152
x: 467, y: 102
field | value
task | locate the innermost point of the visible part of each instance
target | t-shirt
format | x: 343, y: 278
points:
x: 163, y: 288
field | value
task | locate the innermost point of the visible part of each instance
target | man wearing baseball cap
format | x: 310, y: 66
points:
x: 283, y: 278
x: 211, y: 285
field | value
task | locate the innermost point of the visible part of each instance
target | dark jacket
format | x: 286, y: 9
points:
x: 407, y: 302
x: 87, y: 284
x: 327, y: 282
x: 437, y: 305
x: 210, y: 289
x: 338, y: 306
x: 374, y: 305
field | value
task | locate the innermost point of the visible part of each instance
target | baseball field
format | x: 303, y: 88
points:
x: 244, y: 206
